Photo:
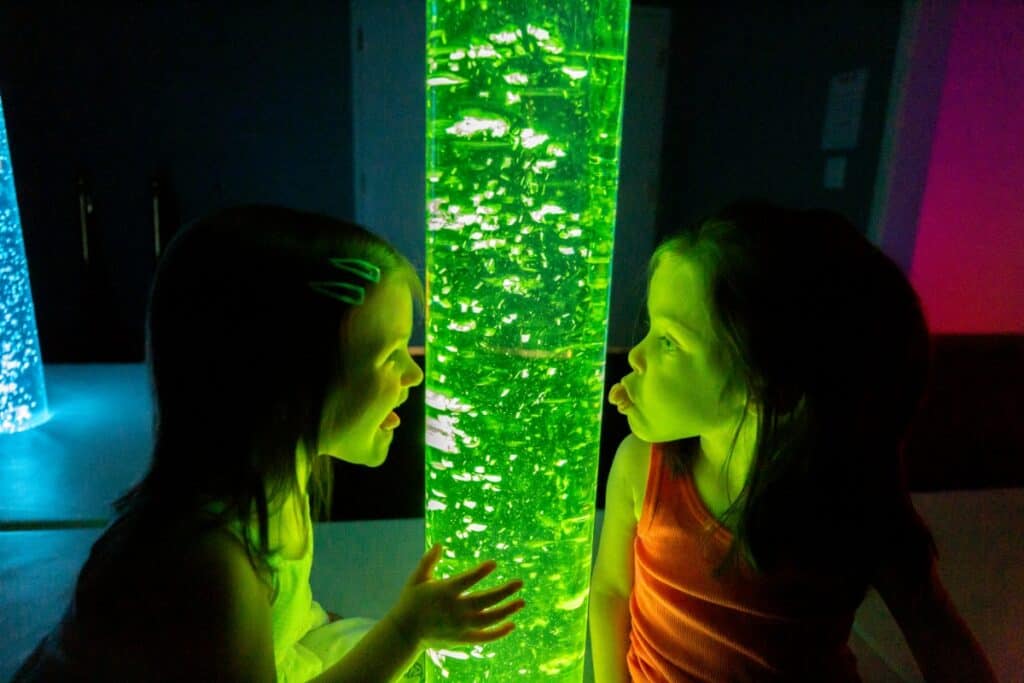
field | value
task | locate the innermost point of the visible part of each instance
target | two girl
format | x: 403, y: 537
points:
x: 760, y: 493
x: 276, y: 340
x: 758, y: 498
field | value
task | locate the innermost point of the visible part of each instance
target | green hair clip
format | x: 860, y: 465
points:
x: 358, y: 266
x: 343, y: 291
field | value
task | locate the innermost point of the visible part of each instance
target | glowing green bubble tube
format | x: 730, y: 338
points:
x: 524, y: 115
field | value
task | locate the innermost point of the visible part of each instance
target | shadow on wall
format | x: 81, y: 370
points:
x: 969, y: 434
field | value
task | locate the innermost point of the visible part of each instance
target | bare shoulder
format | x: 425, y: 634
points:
x: 217, y: 566
x: 632, y: 459
x: 613, y: 569
x: 220, y: 556
x: 224, y: 611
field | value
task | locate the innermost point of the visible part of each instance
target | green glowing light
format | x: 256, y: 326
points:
x: 524, y: 115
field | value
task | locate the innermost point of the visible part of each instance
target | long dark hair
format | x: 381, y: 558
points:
x: 242, y: 352
x: 827, y: 338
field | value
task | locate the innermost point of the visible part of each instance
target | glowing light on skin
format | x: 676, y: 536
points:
x: 524, y: 114
x: 22, y: 388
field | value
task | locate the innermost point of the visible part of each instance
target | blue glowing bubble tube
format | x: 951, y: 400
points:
x: 22, y: 388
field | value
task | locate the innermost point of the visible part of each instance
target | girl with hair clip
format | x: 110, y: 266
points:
x: 761, y: 491
x: 276, y: 340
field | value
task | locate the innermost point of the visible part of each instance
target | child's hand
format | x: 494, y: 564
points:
x: 436, y: 611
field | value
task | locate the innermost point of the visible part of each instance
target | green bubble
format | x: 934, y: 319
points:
x: 524, y: 115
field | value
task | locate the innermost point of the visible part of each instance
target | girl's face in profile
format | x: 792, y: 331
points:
x: 676, y: 388
x: 359, y: 420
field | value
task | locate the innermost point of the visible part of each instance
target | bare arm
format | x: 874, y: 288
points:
x: 612, y: 580
x: 941, y: 642
x: 428, y: 611
x: 224, y: 622
x: 236, y: 642
x: 609, y: 637
x: 381, y: 655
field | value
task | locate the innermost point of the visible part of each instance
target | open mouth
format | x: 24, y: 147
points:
x: 391, y: 421
x: 619, y: 396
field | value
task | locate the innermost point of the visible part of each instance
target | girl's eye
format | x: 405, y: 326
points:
x: 666, y: 343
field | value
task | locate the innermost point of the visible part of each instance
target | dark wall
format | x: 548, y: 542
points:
x: 234, y: 101
x: 746, y: 105
x: 224, y: 102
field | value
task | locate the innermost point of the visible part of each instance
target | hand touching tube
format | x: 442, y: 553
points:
x: 435, y: 611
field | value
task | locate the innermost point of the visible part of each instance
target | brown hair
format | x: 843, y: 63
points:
x: 827, y: 338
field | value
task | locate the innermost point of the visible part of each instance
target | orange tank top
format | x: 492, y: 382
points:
x: 687, y: 625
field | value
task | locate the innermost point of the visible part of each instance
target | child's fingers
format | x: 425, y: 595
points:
x: 493, y: 616
x: 426, y: 564
x: 463, y: 581
x: 483, y: 599
x: 488, y: 635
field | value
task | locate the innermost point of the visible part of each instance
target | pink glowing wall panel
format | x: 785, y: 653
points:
x: 968, y: 261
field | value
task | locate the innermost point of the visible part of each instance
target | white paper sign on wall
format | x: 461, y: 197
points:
x: 843, y: 110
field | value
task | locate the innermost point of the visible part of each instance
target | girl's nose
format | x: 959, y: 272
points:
x: 413, y: 376
x: 636, y: 359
